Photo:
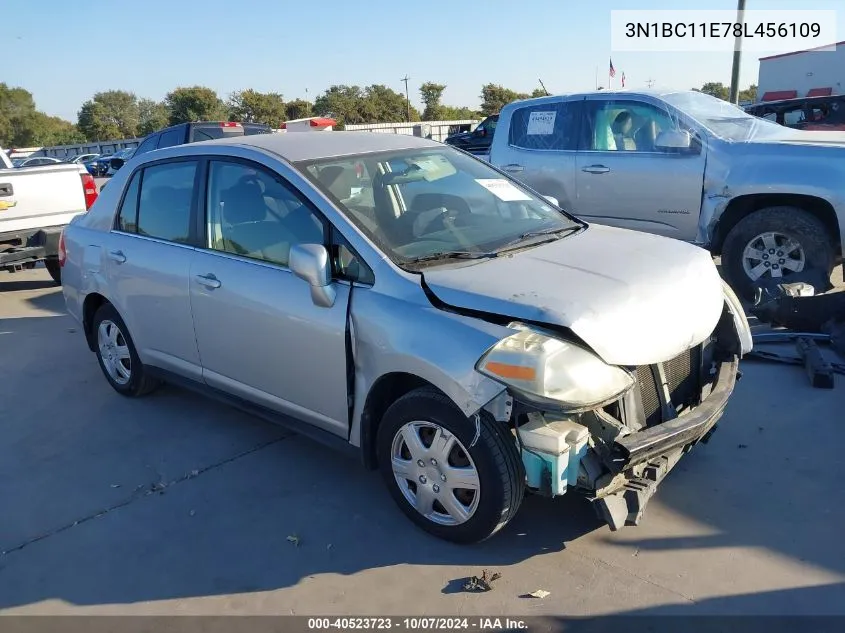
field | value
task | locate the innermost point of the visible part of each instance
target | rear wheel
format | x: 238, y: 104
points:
x: 117, y: 355
x: 774, y: 244
x: 55, y: 270
x: 457, y: 478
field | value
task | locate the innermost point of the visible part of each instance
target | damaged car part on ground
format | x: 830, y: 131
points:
x: 398, y: 297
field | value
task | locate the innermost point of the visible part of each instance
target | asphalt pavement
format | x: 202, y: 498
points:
x: 173, y: 504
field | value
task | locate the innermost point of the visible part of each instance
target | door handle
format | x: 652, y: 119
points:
x: 209, y: 281
x: 117, y: 256
x: 513, y: 167
x: 6, y: 189
x: 596, y: 169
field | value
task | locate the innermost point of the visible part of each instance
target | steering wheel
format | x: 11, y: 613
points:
x: 433, y: 220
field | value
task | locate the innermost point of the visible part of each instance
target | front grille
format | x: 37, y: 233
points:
x: 683, y: 377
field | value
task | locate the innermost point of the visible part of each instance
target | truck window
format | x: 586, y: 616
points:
x: 171, y: 138
x: 549, y: 126
x: 148, y: 145
x: 624, y: 125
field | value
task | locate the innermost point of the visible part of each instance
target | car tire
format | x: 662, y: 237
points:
x: 117, y: 355
x: 55, y: 270
x: 483, y: 453
x: 782, y: 226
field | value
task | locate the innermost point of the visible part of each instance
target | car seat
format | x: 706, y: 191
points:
x: 622, y: 125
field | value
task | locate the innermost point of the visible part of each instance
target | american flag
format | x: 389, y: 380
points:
x: 612, y: 69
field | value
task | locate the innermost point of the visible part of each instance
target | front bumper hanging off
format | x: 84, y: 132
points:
x: 656, y: 450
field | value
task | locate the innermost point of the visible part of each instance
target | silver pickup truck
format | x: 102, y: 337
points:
x: 36, y: 203
x: 770, y: 200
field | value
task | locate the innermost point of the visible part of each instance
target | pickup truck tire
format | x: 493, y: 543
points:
x: 117, y: 355
x: 55, y: 270
x: 425, y: 479
x: 806, y: 243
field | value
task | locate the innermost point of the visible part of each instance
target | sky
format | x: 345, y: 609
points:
x: 63, y: 52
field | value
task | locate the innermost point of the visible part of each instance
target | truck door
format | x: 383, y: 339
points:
x: 626, y: 179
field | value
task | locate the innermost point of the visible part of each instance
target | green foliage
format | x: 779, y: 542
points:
x: 195, y: 103
x: 350, y: 105
x: 495, y: 97
x: 152, y: 116
x: 749, y: 94
x: 52, y: 130
x: 453, y: 113
x: 431, y: 94
x: 109, y: 115
x: 538, y: 92
x: 251, y: 106
x: 716, y: 89
x: 298, y: 109
x: 21, y: 125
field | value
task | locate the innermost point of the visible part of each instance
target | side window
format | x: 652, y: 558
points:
x: 255, y: 214
x: 625, y: 126
x: 549, y: 126
x: 346, y: 263
x: 127, y: 219
x: 171, y: 138
x: 148, y: 145
x: 164, y: 207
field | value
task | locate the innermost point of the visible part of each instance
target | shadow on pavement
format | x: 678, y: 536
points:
x: 9, y: 284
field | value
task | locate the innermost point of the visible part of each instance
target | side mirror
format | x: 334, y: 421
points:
x: 553, y: 201
x: 311, y: 263
x: 117, y: 163
x: 673, y: 139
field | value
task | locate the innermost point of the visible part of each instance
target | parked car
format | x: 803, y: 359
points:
x: 35, y: 204
x: 404, y: 300
x: 478, y: 141
x: 81, y: 159
x: 99, y: 166
x: 808, y: 113
x: 120, y: 157
x: 766, y: 198
x: 193, y: 132
x: 35, y: 161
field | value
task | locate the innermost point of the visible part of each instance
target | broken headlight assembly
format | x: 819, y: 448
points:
x: 553, y: 372
x: 743, y: 330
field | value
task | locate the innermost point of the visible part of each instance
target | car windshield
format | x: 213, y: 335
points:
x: 723, y: 118
x: 428, y: 206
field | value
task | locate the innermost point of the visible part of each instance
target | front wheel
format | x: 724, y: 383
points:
x: 776, y: 244
x: 460, y: 479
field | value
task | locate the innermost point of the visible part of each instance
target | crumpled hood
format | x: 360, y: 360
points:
x: 635, y: 298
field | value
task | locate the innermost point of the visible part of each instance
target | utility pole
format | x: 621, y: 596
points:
x: 407, y: 97
x: 649, y: 82
x: 740, y: 18
x: 543, y: 86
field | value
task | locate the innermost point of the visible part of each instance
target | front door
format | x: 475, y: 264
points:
x: 624, y: 180
x: 147, y: 260
x: 260, y: 336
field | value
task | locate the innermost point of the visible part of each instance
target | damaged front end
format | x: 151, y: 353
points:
x: 616, y: 453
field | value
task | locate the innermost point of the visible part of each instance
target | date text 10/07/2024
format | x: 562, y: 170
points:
x: 720, y: 30
x: 417, y: 624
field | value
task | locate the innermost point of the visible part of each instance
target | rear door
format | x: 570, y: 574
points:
x: 147, y: 263
x: 260, y: 335
x: 624, y: 180
x: 541, y: 144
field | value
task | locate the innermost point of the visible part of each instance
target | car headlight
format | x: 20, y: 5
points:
x: 743, y: 330
x: 553, y: 371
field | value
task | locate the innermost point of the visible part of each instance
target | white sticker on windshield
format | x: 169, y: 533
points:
x: 541, y: 123
x: 502, y: 189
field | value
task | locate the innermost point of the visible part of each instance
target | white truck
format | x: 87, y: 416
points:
x: 36, y: 203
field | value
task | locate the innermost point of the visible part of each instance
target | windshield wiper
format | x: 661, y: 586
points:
x: 442, y: 255
x: 551, y: 233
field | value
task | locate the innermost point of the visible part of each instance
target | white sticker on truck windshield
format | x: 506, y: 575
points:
x: 541, y: 123
x: 502, y: 189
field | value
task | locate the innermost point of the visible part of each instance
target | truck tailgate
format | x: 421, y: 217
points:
x: 36, y: 197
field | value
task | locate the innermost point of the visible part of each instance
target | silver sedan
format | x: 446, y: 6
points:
x: 401, y: 299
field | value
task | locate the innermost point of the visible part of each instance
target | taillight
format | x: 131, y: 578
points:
x: 89, y: 186
x: 62, y: 251
x: 230, y: 124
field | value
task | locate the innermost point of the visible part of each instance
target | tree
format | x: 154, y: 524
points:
x: 462, y: 113
x: 17, y: 109
x: 250, y: 106
x: 495, y: 97
x: 195, y: 103
x: 109, y: 115
x: 384, y: 105
x: 749, y: 94
x: 52, y: 130
x: 343, y: 103
x: 431, y: 94
x: 538, y: 92
x: 152, y: 116
x: 298, y: 109
x: 715, y: 89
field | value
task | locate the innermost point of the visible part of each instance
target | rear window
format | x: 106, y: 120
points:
x: 216, y: 130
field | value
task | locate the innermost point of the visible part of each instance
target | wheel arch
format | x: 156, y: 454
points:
x: 92, y: 303
x: 744, y: 205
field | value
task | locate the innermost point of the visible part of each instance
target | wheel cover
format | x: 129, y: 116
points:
x: 773, y: 254
x: 114, y: 352
x: 435, y: 473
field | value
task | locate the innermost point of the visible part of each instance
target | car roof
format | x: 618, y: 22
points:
x: 621, y: 93
x: 305, y: 146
